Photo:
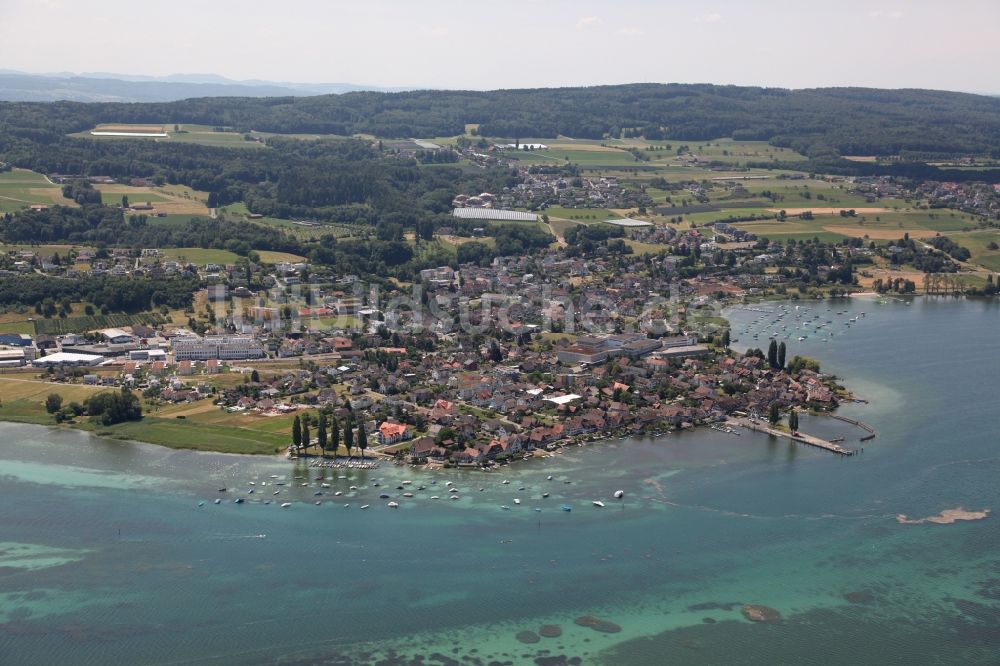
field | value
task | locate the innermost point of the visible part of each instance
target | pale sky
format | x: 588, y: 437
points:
x: 492, y: 44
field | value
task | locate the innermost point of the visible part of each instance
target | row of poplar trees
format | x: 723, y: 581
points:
x: 328, y: 434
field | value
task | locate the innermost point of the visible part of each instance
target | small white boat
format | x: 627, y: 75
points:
x: 598, y: 503
x: 435, y: 497
x: 407, y: 494
x: 324, y: 485
x: 548, y: 478
x: 285, y: 505
x: 619, y: 494
x: 505, y: 482
x: 364, y: 506
x: 454, y: 497
x: 406, y: 483
x: 453, y: 490
x: 517, y: 501
x: 338, y: 493
x: 545, y: 494
x: 505, y: 507
x: 393, y: 505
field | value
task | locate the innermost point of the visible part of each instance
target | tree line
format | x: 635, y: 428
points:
x: 850, y: 121
x: 328, y: 434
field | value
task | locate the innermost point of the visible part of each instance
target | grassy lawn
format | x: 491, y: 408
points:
x: 27, y: 327
x: 181, y: 434
x: 639, y: 247
x: 978, y: 243
x: 141, y: 195
x: 201, y: 256
x: 205, y: 426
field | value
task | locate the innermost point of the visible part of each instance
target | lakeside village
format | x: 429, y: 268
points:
x: 490, y: 363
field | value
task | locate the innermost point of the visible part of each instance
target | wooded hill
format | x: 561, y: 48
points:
x: 816, y: 122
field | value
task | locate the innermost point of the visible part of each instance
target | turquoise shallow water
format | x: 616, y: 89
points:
x: 106, y: 557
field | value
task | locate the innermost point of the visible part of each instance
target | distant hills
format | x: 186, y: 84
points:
x: 106, y: 87
x: 910, y: 125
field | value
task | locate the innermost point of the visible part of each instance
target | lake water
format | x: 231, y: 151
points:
x: 107, y: 557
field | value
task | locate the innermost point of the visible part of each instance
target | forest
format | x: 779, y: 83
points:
x: 106, y: 293
x: 845, y: 121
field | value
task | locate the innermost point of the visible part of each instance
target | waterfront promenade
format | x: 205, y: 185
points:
x: 797, y: 436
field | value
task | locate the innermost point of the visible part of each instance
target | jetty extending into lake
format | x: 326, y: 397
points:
x: 797, y: 436
x: 860, y: 424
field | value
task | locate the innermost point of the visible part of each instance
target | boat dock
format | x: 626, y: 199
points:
x: 341, y: 464
x: 800, y: 437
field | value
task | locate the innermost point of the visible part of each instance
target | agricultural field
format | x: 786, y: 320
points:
x: 170, y: 199
x: 62, y: 326
x: 301, y: 231
x: 166, y: 132
x: 22, y: 397
x: 614, y: 153
x: 208, y: 136
x: 301, y: 137
x: 583, y: 215
x: 20, y: 188
x: 111, y: 195
x: 274, y: 257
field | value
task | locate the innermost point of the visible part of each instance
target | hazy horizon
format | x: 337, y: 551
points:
x: 447, y: 44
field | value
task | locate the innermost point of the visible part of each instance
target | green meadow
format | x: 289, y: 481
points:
x: 20, y: 188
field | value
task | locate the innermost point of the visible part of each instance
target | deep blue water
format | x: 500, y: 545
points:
x: 106, y: 556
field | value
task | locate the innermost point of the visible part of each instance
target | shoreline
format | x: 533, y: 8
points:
x: 197, y: 436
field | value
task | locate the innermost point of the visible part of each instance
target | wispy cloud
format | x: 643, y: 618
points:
x: 711, y: 17
x: 629, y: 31
x: 585, y: 22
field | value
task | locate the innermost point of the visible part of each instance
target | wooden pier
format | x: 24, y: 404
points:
x: 859, y: 424
x: 800, y: 437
